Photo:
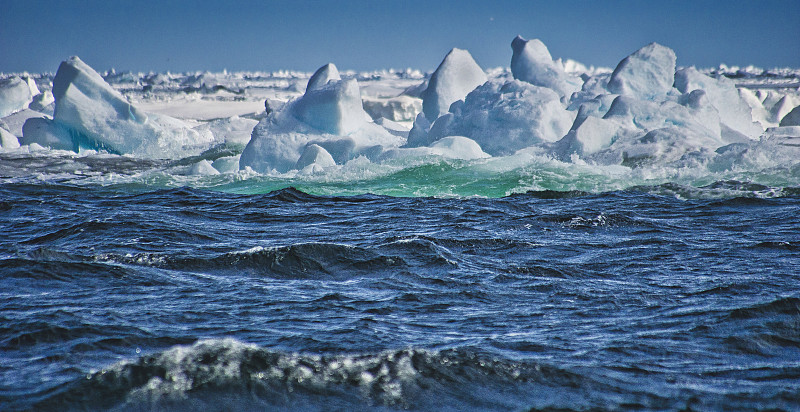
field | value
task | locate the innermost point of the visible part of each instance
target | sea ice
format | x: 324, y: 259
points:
x: 504, y: 117
x: 647, y: 74
x: 792, y: 118
x: 203, y: 168
x: 401, y: 108
x: 233, y: 130
x: 314, y: 154
x: 13, y: 123
x: 43, y: 102
x: 8, y: 140
x: 531, y: 62
x: 323, y: 76
x: 99, y: 117
x: 47, y: 133
x: 734, y: 112
x: 328, y: 115
x: 450, y: 147
x: 16, y: 93
x: 457, y: 75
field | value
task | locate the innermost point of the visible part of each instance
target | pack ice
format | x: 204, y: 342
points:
x: 325, y: 126
x: 16, y: 93
x: 645, y: 112
x: 90, y: 114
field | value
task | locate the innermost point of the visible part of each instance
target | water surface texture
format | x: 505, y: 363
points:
x: 138, y: 296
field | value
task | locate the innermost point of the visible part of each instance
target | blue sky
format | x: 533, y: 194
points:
x: 144, y: 35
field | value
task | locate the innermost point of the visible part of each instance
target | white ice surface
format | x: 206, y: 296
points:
x: 16, y: 93
x: 457, y: 75
x: 8, y: 140
x: 99, y: 117
x: 531, y: 62
x: 646, y: 74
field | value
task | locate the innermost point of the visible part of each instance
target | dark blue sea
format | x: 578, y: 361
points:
x: 144, y: 296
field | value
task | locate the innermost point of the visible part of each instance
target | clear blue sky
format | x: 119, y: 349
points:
x: 146, y: 35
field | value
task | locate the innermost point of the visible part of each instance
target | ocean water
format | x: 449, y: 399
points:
x: 513, y: 284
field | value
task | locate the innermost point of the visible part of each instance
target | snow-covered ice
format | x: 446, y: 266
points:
x: 456, y: 76
x: 16, y: 93
x: 648, y: 73
x: 96, y: 116
x: 645, y: 114
x: 329, y: 115
x: 531, y: 62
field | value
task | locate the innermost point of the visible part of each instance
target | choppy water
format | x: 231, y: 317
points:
x: 119, y: 291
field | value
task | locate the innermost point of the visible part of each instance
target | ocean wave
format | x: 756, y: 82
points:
x: 223, y: 373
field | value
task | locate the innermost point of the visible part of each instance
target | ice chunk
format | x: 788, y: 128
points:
x: 333, y: 108
x: 592, y: 135
x: 226, y: 164
x: 16, y: 93
x: 203, y: 168
x: 757, y: 110
x: 233, y: 130
x: 506, y: 117
x: 314, y: 154
x: 646, y: 115
x: 323, y: 76
x: 100, y: 117
x: 456, y: 76
x: 47, y: 133
x: 392, y: 127
x: 450, y: 147
x: 458, y: 147
x: 531, y: 62
x: 8, y: 140
x: 734, y: 112
x: 329, y: 116
x: 43, y: 102
x: 647, y: 74
x: 13, y: 123
x: 401, y: 108
x: 650, y: 132
x: 418, y: 135
x: 780, y: 109
x: 596, y: 107
x: 792, y: 118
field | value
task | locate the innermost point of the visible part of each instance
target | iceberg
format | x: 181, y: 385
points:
x: 503, y: 117
x: 457, y: 75
x: 16, y: 93
x: 647, y: 74
x: 531, y: 62
x: 98, y: 117
x: 329, y: 115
